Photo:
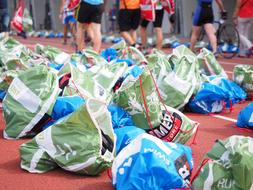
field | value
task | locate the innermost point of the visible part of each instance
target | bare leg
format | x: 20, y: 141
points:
x: 195, y: 34
x: 133, y: 33
x: 96, y: 39
x: 210, y: 32
x: 143, y: 37
x: 127, y: 37
x: 80, y: 37
x: 159, y: 38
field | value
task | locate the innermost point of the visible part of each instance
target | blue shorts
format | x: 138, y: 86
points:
x: 69, y: 19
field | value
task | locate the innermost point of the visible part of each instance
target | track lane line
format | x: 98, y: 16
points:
x: 223, y: 118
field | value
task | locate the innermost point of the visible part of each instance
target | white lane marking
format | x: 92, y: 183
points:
x: 224, y: 118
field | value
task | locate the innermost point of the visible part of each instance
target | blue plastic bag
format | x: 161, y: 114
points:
x: 63, y: 106
x: 151, y: 164
x: 245, y: 117
x: 236, y: 93
x: 109, y: 54
x: 209, y: 99
x: 120, y: 118
x: 125, y: 135
x: 2, y: 94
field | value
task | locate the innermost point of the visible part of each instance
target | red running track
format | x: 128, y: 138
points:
x: 12, y: 177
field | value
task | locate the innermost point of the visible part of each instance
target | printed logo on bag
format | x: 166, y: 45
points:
x: 183, y: 168
x: 158, y: 154
x: 225, y: 183
x: 168, y: 128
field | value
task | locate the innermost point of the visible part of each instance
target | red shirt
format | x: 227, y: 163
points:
x: 246, y: 9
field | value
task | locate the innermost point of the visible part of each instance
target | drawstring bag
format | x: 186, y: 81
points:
x: 82, y: 142
x: 30, y: 96
x: 22, y: 20
x: 96, y: 82
x: 141, y: 98
x: 125, y: 135
x: 175, y: 86
x: 208, y: 64
x: 53, y: 54
x: 243, y: 76
x: 148, y: 9
x: 245, y: 117
x: 149, y: 163
x: 210, y: 99
x: 228, y: 165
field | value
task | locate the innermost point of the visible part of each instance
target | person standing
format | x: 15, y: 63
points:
x: 129, y: 20
x: 4, y: 18
x: 68, y: 20
x: 203, y: 16
x: 159, y: 12
x: 243, y: 19
x: 89, y: 14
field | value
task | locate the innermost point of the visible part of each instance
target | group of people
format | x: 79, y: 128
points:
x: 89, y: 13
x: 87, y: 17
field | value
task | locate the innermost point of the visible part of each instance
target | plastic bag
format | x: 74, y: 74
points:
x: 149, y: 163
x: 83, y: 143
x: 245, y: 117
x: 30, y: 96
x: 228, y: 165
x: 243, y: 76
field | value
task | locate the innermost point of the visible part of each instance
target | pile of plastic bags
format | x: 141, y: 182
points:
x: 87, y: 112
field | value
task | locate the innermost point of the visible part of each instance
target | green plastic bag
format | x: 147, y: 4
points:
x: 30, y: 95
x: 176, y: 86
x: 243, y: 76
x: 82, y: 142
x: 96, y: 82
x: 229, y: 167
x: 174, y: 127
x: 52, y: 53
x: 208, y: 64
x: 183, y: 51
x: 129, y: 53
x: 27, y: 21
x: 129, y: 96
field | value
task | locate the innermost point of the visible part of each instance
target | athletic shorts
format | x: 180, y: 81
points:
x: 69, y: 19
x: 203, y: 14
x: 158, y: 20
x: 129, y: 19
x: 88, y: 13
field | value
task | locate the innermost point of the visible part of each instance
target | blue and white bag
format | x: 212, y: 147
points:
x: 245, y: 117
x: 149, y: 163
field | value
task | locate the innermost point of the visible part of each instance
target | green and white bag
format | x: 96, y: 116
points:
x: 130, y: 97
x: 97, y: 82
x: 52, y: 53
x: 208, y: 64
x: 243, y: 76
x: 228, y: 166
x: 83, y: 142
x: 176, y: 86
x: 30, y: 95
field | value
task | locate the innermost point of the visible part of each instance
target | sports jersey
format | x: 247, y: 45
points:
x: 246, y: 9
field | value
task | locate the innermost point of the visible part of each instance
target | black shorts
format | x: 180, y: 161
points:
x: 158, y: 19
x: 129, y: 19
x: 87, y: 13
x: 203, y: 14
